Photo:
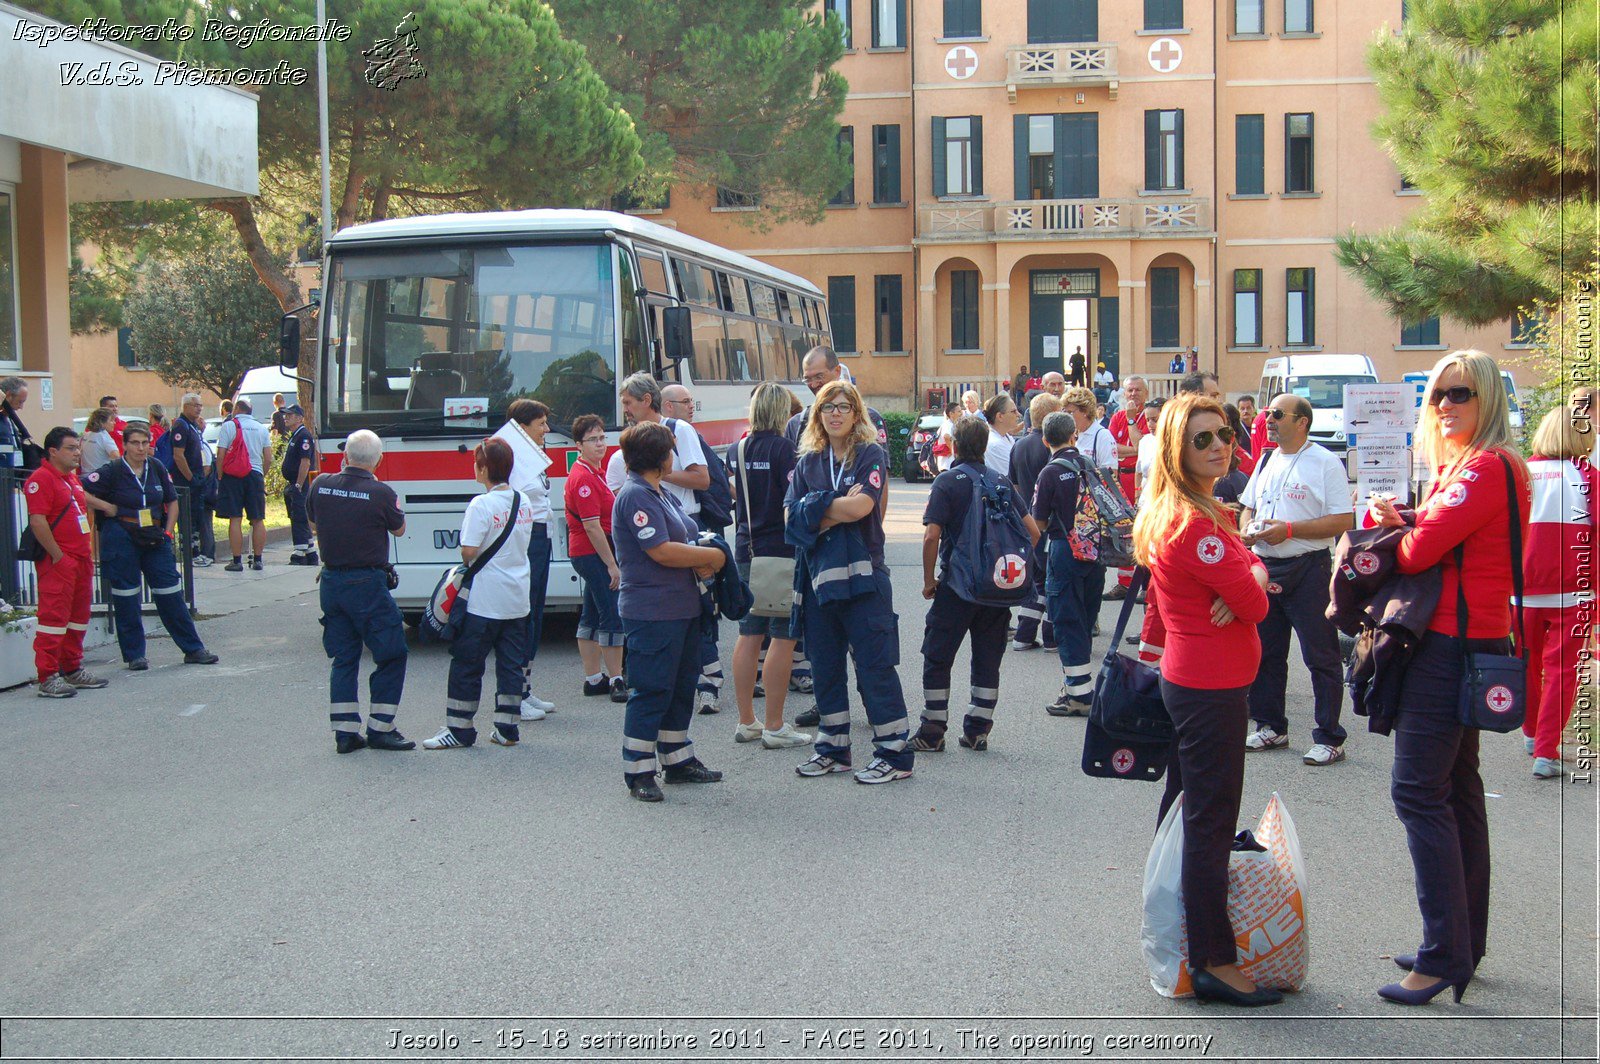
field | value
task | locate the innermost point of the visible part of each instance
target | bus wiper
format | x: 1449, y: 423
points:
x: 429, y: 419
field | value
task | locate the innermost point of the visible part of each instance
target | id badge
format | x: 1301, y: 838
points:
x: 83, y: 523
x: 144, y: 519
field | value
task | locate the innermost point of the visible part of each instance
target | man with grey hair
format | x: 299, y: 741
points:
x: 246, y: 494
x: 821, y: 367
x: 17, y: 449
x: 186, y: 462
x: 641, y: 404
x: 677, y: 403
x: 355, y: 514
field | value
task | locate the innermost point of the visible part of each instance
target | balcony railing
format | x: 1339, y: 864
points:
x: 1057, y: 219
x: 1030, y: 65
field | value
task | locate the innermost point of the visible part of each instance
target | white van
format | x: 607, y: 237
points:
x: 261, y: 384
x: 1321, y: 379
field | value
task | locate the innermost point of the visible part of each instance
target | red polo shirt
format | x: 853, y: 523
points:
x: 1191, y: 572
x: 49, y: 493
x: 587, y: 496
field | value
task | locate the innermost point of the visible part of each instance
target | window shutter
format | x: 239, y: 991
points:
x: 893, y: 179
x: 1248, y: 155
x: 1180, y: 179
x: 1152, y: 149
x: 1078, y: 156
x: 1019, y: 152
x: 941, y: 181
x: 977, y: 155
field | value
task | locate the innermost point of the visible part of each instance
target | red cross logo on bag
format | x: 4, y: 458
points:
x: 1500, y: 698
x: 1123, y: 761
x: 1009, y: 572
x: 1366, y: 563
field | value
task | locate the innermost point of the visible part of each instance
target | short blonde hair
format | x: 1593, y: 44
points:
x: 1560, y: 435
x: 815, y: 437
x: 770, y: 408
x: 1080, y: 397
x: 1043, y: 405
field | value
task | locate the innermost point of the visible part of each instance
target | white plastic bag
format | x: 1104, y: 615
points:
x: 1266, y: 905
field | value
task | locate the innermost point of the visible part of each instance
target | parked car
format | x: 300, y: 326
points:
x: 919, y: 464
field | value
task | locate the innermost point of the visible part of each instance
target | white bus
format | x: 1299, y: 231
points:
x: 431, y: 326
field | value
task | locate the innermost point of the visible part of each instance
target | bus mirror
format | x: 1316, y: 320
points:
x: 677, y: 342
x: 289, y: 342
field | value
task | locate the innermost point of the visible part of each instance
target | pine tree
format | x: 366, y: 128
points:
x: 1491, y: 112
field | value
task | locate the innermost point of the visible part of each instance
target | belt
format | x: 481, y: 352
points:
x: 356, y: 568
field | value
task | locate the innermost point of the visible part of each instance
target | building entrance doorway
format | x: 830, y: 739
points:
x: 1066, y: 313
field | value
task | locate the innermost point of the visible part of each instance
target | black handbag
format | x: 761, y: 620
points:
x: 1494, y: 687
x: 1130, y: 732
x: 29, y: 549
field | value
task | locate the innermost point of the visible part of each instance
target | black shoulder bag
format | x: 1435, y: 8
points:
x: 1494, y: 687
x: 447, y: 606
x: 1129, y: 734
x: 29, y: 549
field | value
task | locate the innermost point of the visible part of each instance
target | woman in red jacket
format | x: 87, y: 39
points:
x: 1212, y: 592
x: 1559, y: 612
x: 1464, y: 432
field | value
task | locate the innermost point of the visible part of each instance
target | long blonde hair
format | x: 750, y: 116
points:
x: 815, y: 436
x: 1176, y: 498
x: 1494, y: 417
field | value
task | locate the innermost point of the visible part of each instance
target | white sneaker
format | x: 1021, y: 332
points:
x: 1547, y: 768
x: 1265, y: 739
x: 200, y: 561
x: 1527, y: 744
x: 821, y: 766
x: 784, y: 737
x: 747, y: 733
x: 539, y: 703
x: 1323, y: 754
x: 880, y: 771
x: 532, y: 710
x: 445, y: 740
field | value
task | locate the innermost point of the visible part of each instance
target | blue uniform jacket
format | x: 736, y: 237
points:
x: 835, y: 564
x: 727, y: 594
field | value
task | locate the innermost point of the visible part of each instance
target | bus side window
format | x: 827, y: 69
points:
x: 635, y: 346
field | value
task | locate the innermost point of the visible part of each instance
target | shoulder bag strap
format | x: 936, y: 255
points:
x: 1514, y: 519
x: 1141, y: 579
x: 744, y: 485
x: 487, y: 555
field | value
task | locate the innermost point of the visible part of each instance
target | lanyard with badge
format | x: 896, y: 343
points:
x: 835, y: 471
x: 1283, y: 484
x: 145, y: 521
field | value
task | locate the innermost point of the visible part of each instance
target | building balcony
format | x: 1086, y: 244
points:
x: 1061, y: 66
x: 948, y: 223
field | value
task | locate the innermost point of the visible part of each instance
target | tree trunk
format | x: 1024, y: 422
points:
x: 272, y: 274
x: 354, y: 181
x: 380, y: 199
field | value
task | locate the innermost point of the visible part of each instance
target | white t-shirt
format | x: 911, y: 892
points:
x: 256, y: 438
x: 688, y: 454
x: 1295, y: 487
x: 1144, y: 464
x: 947, y: 433
x: 500, y: 590
x: 1099, y: 445
x: 1104, y: 379
x: 997, y: 455
x: 528, y: 469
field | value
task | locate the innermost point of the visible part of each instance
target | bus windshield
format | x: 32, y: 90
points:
x: 417, y: 333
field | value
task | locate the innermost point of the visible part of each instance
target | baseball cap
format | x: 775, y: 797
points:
x: 294, y: 408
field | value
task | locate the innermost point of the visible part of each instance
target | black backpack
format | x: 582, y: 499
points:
x: 989, y: 564
x: 716, y: 500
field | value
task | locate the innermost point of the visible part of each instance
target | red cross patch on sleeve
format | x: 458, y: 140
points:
x: 1210, y: 549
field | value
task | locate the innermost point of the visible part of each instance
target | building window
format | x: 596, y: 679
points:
x: 958, y: 156
x: 1300, y: 325
x: 1041, y: 157
x: 1523, y: 333
x: 963, y: 18
x: 840, y: 9
x: 1424, y: 333
x: 1299, y: 154
x: 846, y: 195
x: 1163, y: 306
x: 1063, y: 21
x: 885, y: 164
x: 1163, y: 14
x: 628, y: 200
x: 1057, y: 156
x: 1299, y: 17
x: 964, y: 310
x: 1247, y: 308
x: 888, y: 23
x: 1163, y: 150
x: 1249, y: 155
x: 735, y: 199
x: 842, y: 312
x: 9, y: 347
x: 889, y: 319
x: 1247, y: 18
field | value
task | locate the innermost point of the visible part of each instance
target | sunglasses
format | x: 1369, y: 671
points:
x: 1202, y: 440
x: 1278, y: 415
x: 1457, y: 395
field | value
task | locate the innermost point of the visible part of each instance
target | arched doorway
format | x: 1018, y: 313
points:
x: 1072, y: 310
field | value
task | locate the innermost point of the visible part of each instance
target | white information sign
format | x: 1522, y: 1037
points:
x: 470, y: 409
x: 1379, y: 408
x: 47, y: 393
x: 1382, y: 452
x: 1394, y: 481
x: 1052, y: 346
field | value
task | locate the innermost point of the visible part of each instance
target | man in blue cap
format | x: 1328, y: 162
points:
x: 299, y: 462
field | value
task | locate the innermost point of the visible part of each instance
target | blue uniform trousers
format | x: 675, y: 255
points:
x: 1301, y: 606
x: 950, y: 619
x: 469, y: 653
x: 709, y: 684
x: 125, y: 565
x: 1072, y: 590
x: 867, y: 629
x: 294, y: 500
x: 357, y: 609
x: 538, y: 584
x: 597, y: 621
x: 1438, y: 796
x: 663, y: 665
x: 1031, y: 613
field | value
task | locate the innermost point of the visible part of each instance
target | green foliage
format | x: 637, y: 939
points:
x: 737, y: 93
x: 900, y: 426
x: 1565, y: 355
x: 204, y: 321
x: 95, y: 296
x: 1490, y: 110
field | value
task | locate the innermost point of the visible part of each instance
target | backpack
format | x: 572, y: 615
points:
x: 163, y: 450
x: 716, y: 500
x: 236, y: 463
x: 988, y: 564
x: 1103, y: 529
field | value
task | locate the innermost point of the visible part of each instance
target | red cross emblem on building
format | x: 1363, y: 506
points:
x: 1500, y: 698
x: 1009, y: 571
x: 1123, y: 761
x: 1165, y: 55
x: 961, y: 62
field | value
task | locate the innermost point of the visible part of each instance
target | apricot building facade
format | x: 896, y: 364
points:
x: 1140, y: 179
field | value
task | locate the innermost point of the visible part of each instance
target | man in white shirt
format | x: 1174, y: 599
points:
x: 1144, y: 464
x: 241, y: 496
x: 677, y: 402
x: 527, y: 421
x: 641, y: 403
x: 1094, y: 439
x: 1296, y: 504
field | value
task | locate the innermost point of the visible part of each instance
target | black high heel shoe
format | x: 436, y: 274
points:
x: 1402, y: 996
x: 1208, y: 987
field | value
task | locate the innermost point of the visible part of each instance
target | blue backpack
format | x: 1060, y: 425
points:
x: 716, y: 500
x: 163, y: 451
x: 989, y: 563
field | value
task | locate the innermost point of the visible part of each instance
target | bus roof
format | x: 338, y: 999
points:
x: 548, y: 222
